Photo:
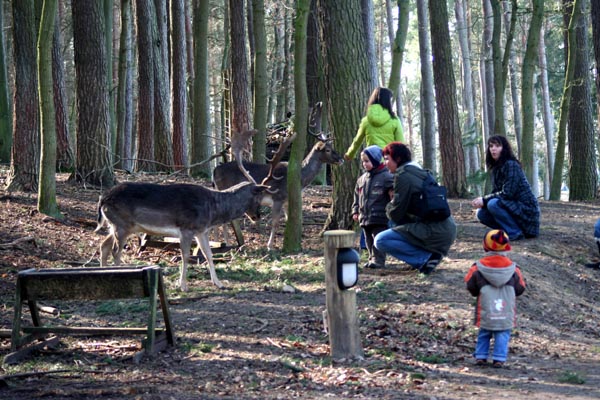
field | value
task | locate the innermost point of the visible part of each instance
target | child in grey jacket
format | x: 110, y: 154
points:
x: 496, y: 281
x: 371, y: 195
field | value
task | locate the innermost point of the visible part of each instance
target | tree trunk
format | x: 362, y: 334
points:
x: 527, y: 74
x: 23, y: 173
x: 367, y: 20
x: 487, y: 68
x: 65, y: 159
x: 547, y: 116
x: 595, y: 17
x: 145, y: 106
x: 5, y: 114
x: 510, y: 20
x: 260, y: 79
x: 178, y: 68
x: 473, y: 163
x: 292, y: 241
x: 427, y: 91
x: 240, y: 113
x: 125, y: 91
x: 163, y: 136
x: 47, y: 188
x: 94, y: 161
x: 565, y: 101
x: 343, y: 50
x: 452, y: 154
x: 202, y: 132
x: 108, y: 32
x: 583, y: 178
x: 398, y: 49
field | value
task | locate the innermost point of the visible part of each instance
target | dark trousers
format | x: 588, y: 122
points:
x: 375, y: 256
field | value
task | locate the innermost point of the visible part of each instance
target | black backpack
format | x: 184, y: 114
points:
x: 431, y: 204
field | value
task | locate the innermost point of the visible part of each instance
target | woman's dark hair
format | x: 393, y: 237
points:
x: 382, y: 96
x: 505, y: 155
x: 399, y: 152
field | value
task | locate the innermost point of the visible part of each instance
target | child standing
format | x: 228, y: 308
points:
x: 379, y: 126
x: 496, y: 281
x: 371, y: 195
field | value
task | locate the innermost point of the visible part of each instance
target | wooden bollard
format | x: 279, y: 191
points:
x: 342, y: 318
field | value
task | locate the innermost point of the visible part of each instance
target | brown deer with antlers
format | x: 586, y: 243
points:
x: 274, y: 174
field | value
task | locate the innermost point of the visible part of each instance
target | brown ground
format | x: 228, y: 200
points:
x: 257, y: 342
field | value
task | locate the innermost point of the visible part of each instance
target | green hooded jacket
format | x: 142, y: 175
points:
x: 377, y: 128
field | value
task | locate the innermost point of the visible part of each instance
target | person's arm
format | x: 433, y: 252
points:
x: 518, y: 282
x: 358, y: 140
x: 473, y: 281
x: 396, y: 209
x: 356, y: 203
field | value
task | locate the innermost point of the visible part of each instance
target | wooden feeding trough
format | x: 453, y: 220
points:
x: 89, y: 284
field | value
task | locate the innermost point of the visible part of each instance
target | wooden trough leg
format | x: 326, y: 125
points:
x: 16, y: 329
x: 165, y: 311
x: 239, y: 236
x: 153, y: 288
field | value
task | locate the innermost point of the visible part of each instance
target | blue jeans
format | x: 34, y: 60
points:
x: 496, y: 217
x: 597, y: 230
x: 501, y: 339
x: 393, y: 243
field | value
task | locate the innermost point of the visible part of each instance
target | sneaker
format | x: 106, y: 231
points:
x: 498, y: 364
x: 431, y: 263
x: 480, y: 362
x: 519, y: 236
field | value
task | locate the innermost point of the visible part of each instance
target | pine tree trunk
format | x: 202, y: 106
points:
x: 94, y: 161
x: 260, y: 79
x: 5, y: 114
x: 178, y: 68
x: 125, y: 91
x: 24, y: 166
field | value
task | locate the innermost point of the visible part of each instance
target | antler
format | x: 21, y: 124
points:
x: 276, y: 159
x: 238, y: 144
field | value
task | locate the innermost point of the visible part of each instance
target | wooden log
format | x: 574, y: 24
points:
x: 18, y: 355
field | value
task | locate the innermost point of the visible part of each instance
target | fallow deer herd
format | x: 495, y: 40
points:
x: 188, y: 211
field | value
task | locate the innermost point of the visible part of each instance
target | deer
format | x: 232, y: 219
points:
x: 185, y: 211
x: 275, y: 174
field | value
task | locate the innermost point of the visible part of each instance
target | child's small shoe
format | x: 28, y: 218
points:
x: 497, y: 364
x: 481, y: 362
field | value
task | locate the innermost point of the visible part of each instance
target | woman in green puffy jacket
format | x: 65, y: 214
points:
x: 380, y: 126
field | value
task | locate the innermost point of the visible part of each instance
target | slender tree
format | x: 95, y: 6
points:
x: 240, y: 118
x: 547, y: 116
x: 557, y: 179
x: 527, y: 74
x: 595, y: 17
x: 398, y: 48
x: 125, y: 91
x: 25, y: 151
x: 427, y: 91
x: 179, y: 90
x: 47, y: 187
x: 260, y: 80
x: 452, y: 154
x: 5, y: 115
x: 201, y: 124
x: 65, y: 158
x: 292, y: 241
x: 145, y: 102
x: 163, y: 136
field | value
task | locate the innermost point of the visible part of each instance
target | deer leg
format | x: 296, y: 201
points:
x: 106, y: 248
x: 204, y: 244
x: 185, y: 244
x: 275, y: 217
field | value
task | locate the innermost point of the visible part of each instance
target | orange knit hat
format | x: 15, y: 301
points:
x: 496, y: 240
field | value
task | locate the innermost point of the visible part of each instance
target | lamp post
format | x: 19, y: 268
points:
x: 341, y: 274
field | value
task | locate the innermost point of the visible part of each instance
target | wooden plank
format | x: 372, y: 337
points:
x: 86, y: 330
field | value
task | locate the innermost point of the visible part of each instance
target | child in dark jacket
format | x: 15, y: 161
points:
x: 371, y: 195
x: 496, y: 281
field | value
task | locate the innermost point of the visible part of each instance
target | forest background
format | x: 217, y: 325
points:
x: 160, y: 86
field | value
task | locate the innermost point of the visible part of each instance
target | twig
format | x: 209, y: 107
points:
x: 15, y: 243
x: 264, y: 323
x: 58, y: 371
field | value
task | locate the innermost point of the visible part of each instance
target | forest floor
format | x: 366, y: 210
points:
x: 258, y: 341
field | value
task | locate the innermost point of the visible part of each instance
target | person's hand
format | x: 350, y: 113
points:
x: 355, y: 217
x: 477, y: 202
x: 346, y: 157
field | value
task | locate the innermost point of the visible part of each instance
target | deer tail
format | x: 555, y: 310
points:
x: 100, y: 219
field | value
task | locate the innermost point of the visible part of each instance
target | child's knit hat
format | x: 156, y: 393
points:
x: 375, y: 154
x: 496, y: 240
